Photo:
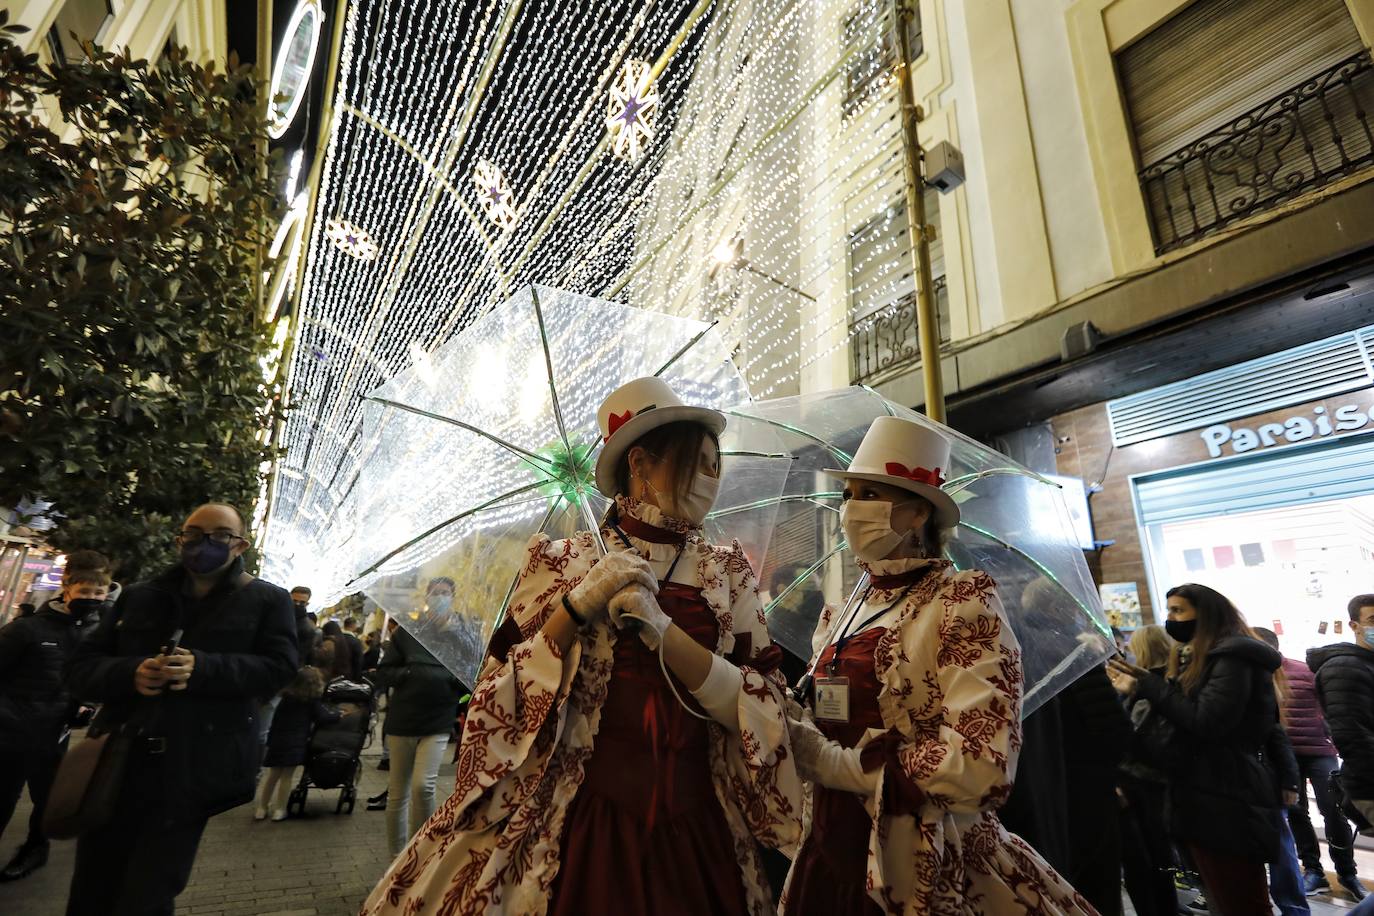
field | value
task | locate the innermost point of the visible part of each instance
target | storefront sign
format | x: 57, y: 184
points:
x: 1319, y: 424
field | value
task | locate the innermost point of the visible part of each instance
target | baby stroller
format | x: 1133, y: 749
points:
x: 333, y: 758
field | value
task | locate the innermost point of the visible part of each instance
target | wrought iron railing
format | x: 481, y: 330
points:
x: 1306, y: 138
x: 884, y: 343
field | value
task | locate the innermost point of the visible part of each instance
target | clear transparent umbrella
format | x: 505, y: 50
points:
x: 1015, y: 526
x: 493, y: 438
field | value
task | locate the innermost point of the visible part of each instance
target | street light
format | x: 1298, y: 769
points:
x: 730, y: 253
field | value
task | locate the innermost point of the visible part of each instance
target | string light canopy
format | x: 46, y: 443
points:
x: 624, y: 140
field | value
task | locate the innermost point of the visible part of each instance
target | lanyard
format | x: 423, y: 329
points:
x: 844, y: 640
x: 668, y: 577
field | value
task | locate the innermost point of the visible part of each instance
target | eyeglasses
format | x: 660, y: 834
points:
x: 221, y: 536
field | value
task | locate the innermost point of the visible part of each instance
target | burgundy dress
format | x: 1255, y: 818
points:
x: 830, y: 876
x: 645, y: 833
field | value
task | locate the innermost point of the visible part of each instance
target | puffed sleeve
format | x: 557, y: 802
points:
x: 761, y: 769
x: 518, y: 704
x: 960, y: 724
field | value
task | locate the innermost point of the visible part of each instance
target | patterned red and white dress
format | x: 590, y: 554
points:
x: 935, y: 701
x: 537, y: 782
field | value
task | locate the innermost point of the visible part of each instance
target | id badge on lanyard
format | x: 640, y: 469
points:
x: 832, y: 699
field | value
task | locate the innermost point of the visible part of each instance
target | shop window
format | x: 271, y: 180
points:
x: 1252, y: 554
x: 1223, y: 557
x: 1194, y: 560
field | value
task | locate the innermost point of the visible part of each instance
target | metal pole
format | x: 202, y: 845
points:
x: 927, y: 327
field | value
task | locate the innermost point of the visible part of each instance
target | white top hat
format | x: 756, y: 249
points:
x: 631, y: 411
x: 903, y: 453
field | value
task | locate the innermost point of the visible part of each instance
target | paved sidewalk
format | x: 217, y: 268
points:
x: 322, y: 865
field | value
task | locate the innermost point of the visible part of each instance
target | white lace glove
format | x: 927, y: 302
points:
x: 823, y: 761
x: 638, y: 602
x: 611, y: 574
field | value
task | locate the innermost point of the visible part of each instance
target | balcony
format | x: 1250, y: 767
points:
x: 884, y: 343
x: 1302, y: 140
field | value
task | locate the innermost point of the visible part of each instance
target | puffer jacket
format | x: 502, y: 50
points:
x: 34, y: 703
x: 1345, y: 685
x: 1227, y: 798
x: 1302, y: 712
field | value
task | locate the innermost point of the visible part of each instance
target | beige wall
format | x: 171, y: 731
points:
x: 1051, y: 217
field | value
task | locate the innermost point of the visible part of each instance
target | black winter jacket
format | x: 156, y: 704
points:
x: 424, y: 695
x: 1345, y: 684
x: 1227, y: 796
x: 34, y: 703
x: 243, y: 636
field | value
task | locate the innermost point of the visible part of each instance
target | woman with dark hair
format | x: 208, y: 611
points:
x: 625, y: 748
x: 913, y: 720
x: 1218, y: 711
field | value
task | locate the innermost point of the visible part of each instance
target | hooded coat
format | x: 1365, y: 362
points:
x: 1345, y: 684
x: 1227, y: 797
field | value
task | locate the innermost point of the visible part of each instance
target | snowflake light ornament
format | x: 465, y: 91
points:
x: 632, y: 110
x: 352, y: 240
x: 494, y: 194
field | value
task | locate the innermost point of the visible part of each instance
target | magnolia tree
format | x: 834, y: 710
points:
x: 130, y: 232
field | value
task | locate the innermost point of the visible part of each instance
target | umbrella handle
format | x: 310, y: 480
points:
x: 852, y: 606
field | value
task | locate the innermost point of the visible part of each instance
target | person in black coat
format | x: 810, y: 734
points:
x: 1216, y: 713
x: 302, y: 707
x: 1345, y: 684
x: 191, y: 711
x: 35, y: 707
x: 421, y: 709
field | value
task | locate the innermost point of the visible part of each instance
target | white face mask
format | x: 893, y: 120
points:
x: 868, y: 528
x: 698, y: 502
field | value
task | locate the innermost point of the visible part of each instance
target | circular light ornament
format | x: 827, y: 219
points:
x: 295, y: 61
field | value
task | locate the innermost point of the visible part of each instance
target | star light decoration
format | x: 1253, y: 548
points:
x: 352, y: 240
x: 494, y: 194
x: 632, y: 110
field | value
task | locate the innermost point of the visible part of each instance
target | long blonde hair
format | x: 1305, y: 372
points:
x: 1151, y: 645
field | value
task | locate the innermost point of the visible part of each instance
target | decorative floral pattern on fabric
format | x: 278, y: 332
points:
x: 948, y: 686
x: 495, y: 845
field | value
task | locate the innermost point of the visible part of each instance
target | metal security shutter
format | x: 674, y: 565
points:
x: 1217, y: 58
x: 1334, y: 469
x: 1321, y: 369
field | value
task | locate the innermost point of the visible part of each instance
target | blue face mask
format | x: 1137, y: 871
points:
x: 205, y: 556
x: 440, y: 604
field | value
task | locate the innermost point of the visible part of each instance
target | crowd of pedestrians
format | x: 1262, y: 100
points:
x: 632, y: 712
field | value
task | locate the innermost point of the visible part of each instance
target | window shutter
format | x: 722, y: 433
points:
x: 1217, y: 58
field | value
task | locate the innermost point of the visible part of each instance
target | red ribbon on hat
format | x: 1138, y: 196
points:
x: 920, y: 475
x: 615, y: 422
